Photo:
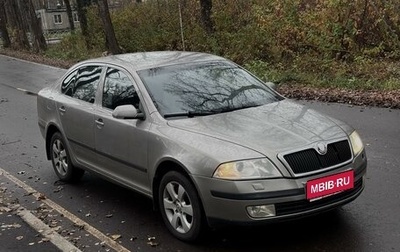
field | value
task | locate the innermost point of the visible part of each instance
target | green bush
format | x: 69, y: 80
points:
x: 71, y: 47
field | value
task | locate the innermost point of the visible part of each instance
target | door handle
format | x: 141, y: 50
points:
x: 62, y: 109
x: 100, y: 122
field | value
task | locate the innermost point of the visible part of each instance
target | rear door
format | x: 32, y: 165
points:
x: 76, y: 110
x: 121, y: 144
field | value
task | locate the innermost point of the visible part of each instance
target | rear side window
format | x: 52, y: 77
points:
x: 118, y: 90
x: 82, y: 83
x: 68, y: 84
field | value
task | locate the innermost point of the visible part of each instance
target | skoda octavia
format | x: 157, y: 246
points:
x: 205, y: 139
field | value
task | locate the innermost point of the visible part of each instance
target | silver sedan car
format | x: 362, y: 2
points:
x: 208, y: 141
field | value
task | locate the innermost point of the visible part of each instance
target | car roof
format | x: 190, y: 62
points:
x: 146, y: 60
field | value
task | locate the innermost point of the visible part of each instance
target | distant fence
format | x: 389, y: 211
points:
x: 55, y: 36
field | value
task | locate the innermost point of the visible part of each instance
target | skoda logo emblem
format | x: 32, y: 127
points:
x: 321, y: 148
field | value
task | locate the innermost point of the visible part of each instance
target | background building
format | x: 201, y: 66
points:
x: 53, y: 15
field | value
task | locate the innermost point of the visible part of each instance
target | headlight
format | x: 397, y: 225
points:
x: 356, y: 143
x: 247, y: 169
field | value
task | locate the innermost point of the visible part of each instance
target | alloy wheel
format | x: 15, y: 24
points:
x: 60, y: 157
x: 178, y: 207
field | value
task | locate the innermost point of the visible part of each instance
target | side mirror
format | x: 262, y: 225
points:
x: 271, y: 85
x: 127, y: 112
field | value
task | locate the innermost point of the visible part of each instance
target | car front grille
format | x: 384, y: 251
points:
x: 309, y: 160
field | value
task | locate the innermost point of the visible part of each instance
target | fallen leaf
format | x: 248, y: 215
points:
x: 43, y: 240
x: 153, y: 244
x: 29, y: 193
x: 53, y: 223
x: 116, y: 237
x: 80, y: 226
x: 15, y: 225
x: 41, y: 197
x: 58, y: 189
x: 109, y: 215
x: 5, y: 209
x: 58, y: 228
x: 19, y: 237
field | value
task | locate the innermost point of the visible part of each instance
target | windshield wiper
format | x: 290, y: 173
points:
x: 205, y: 113
x: 188, y: 114
x: 230, y: 109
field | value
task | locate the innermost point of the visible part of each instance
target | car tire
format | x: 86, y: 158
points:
x: 61, y: 160
x: 180, y: 206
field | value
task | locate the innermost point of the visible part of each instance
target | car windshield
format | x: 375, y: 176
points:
x: 204, y: 89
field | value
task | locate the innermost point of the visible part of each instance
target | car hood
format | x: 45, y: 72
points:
x: 268, y: 129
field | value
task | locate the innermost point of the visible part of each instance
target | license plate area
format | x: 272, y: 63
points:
x: 329, y: 185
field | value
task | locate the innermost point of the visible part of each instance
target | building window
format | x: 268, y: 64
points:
x: 75, y: 17
x: 57, y: 19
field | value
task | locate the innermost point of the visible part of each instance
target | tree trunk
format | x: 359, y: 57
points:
x: 69, y: 13
x: 3, y: 26
x: 81, y: 8
x: 111, y: 40
x: 14, y: 18
x: 38, y: 40
x: 205, y: 18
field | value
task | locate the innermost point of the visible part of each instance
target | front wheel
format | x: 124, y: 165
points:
x: 61, y: 160
x: 180, y: 206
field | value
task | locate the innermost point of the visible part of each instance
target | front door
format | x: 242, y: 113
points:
x: 121, y: 144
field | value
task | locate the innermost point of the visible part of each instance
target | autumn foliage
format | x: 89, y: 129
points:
x: 266, y: 30
x: 353, y: 42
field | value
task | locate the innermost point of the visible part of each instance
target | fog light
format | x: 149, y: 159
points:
x: 262, y: 211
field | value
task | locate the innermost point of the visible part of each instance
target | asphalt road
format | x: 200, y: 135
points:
x: 94, y: 213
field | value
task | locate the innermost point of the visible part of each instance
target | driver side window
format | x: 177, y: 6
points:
x: 118, y: 90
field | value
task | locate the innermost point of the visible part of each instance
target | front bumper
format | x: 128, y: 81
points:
x: 226, y: 201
